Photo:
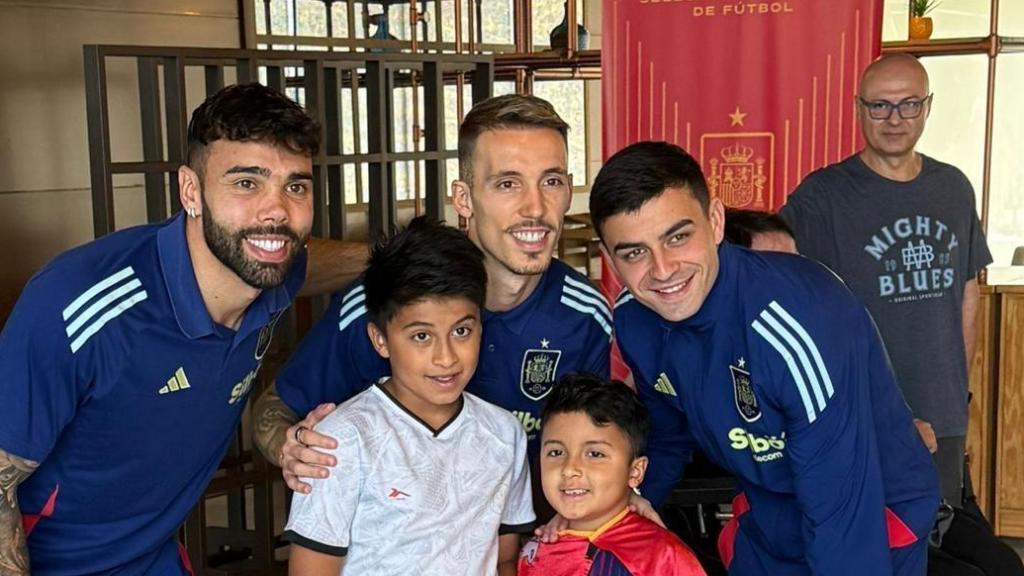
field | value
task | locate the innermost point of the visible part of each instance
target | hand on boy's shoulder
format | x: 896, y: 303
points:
x: 643, y: 507
x: 638, y: 545
x: 299, y: 455
x: 548, y: 533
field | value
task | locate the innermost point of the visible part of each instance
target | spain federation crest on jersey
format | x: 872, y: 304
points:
x: 266, y: 335
x: 538, y: 372
x: 743, y: 392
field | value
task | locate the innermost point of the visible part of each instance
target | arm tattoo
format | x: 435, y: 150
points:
x: 13, y: 552
x: 271, y: 419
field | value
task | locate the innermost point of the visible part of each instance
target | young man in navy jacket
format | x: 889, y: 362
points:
x: 774, y: 369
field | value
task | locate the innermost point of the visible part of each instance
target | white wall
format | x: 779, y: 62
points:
x: 45, y: 205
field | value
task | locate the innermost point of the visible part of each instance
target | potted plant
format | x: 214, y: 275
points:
x: 920, y: 22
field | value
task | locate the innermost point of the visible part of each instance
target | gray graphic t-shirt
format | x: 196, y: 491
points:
x: 906, y: 249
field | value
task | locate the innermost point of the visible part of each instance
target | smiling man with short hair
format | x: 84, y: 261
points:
x: 901, y: 229
x: 768, y: 363
x: 542, y: 319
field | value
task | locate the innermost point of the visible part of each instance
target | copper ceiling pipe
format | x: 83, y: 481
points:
x: 517, y: 27
x: 527, y: 26
x: 472, y: 21
x: 986, y: 179
x: 573, y: 39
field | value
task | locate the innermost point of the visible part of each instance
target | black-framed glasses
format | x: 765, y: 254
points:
x: 909, y: 108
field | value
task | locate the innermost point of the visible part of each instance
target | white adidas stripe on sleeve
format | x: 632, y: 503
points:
x: 586, y: 287
x: 352, y: 307
x: 582, y: 298
x: 96, y: 289
x: 800, y: 354
x: 587, y: 309
x: 623, y: 298
x: 110, y: 297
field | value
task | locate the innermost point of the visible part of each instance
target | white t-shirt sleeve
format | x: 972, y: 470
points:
x: 322, y: 519
x: 518, y: 515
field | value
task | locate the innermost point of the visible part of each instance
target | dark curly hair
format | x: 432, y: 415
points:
x: 639, y: 173
x: 427, y: 259
x: 250, y: 112
x: 606, y: 402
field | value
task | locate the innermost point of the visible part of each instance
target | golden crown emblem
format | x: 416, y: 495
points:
x: 737, y: 154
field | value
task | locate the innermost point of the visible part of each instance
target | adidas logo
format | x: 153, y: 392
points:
x: 664, y: 386
x: 177, y: 382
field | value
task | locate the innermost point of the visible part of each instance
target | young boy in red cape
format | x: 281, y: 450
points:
x: 591, y: 459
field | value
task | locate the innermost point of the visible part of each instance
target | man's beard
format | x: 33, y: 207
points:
x: 537, y: 264
x: 228, y: 247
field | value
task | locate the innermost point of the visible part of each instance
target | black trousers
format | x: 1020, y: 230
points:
x: 971, y: 548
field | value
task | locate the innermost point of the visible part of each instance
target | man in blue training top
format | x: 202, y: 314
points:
x: 128, y: 360
x: 542, y: 319
x: 774, y: 369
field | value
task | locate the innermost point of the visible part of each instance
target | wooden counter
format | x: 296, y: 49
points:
x: 981, y: 427
x: 1009, y: 461
x: 995, y: 440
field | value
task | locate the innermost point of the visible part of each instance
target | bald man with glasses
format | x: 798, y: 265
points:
x: 901, y: 229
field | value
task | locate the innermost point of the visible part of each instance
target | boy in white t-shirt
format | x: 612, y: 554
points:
x: 430, y: 480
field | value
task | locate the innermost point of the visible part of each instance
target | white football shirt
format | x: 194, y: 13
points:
x: 408, y: 499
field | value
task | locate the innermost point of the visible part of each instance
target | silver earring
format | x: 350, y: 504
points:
x: 636, y: 490
x: 191, y: 212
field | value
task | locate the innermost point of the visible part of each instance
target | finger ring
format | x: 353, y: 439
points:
x: 298, y: 434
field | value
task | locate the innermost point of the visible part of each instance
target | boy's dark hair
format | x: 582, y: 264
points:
x: 511, y: 111
x: 427, y: 259
x: 742, y: 225
x: 605, y: 402
x: 250, y: 112
x: 639, y: 173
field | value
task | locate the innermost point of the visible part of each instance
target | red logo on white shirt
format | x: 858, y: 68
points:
x: 397, y: 494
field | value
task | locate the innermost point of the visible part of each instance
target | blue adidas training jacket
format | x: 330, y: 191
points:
x: 781, y: 378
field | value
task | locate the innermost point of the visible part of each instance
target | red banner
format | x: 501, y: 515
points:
x: 760, y: 92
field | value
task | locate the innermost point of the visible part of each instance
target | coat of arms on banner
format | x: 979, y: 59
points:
x: 739, y: 168
x: 739, y: 178
x: 743, y: 391
x: 538, y: 372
